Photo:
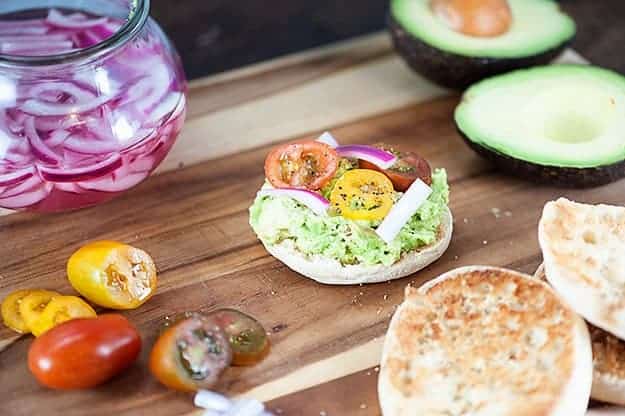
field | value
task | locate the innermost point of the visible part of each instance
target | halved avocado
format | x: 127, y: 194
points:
x: 539, y: 33
x: 559, y: 124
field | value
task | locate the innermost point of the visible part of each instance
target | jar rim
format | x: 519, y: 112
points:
x: 126, y: 32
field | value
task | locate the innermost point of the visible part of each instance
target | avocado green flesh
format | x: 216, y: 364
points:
x: 275, y: 219
x: 538, y: 26
x: 560, y: 115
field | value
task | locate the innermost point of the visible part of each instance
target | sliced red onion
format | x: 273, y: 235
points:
x: 39, y: 148
x: 317, y: 203
x: 17, y: 176
x: 110, y: 184
x: 22, y: 187
x: 56, y: 18
x: 378, y: 157
x: 28, y: 198
x: 40, y: 47
x: 33, y: 38
x: 328, y: 139
x: 68, y: 187
x: 82, y: 173
x: 34, y: 30
x: 57, y: 137
x: 102, y: 131
x: 165, y: 107
x: 57, y: 88
x: 42, y: 108
x: 403, y: 210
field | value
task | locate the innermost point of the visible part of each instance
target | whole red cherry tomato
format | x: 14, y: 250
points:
x: 84, y: 353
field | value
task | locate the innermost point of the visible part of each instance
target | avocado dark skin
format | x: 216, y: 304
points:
x: 550, y: 175
x: 456, y: 71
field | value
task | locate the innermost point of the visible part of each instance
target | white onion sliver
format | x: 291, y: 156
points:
x: 317, y: 203
x: 211, y: 400
x: 328, y: 139
x: 379, y: 157
x: 245, y: 407
x: 403, y: 210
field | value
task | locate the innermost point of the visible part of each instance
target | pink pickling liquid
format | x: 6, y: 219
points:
x: 82, y: 133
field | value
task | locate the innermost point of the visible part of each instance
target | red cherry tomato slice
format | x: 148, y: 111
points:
x: 308, y: 165
x: 405, y: 171
x: 248, y: 339
x: 191, y: 354
x: 84, y: 353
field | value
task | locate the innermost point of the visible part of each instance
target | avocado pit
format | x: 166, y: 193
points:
x: 479, y: 18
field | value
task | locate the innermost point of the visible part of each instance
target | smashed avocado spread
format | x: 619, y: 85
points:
x: 275, y: 219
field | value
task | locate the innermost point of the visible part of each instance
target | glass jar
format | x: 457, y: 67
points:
x: 92, y: 98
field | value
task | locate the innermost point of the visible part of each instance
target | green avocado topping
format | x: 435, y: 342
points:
x: 275, y: 219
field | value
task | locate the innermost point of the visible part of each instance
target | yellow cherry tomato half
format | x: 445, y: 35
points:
x: 112, y: 274
x: 11, y: 311
x: 61, y: 309
x: 362, y: 194
x: 32, y: 306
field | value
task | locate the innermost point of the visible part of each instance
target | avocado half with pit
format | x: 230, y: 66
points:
x: 558, y: 124
x: 539, y: 32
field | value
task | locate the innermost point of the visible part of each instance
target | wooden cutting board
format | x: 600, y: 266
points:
x: 192, y: 218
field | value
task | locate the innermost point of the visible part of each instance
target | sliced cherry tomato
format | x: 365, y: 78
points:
x: 113, y: 275
x: 308, y: 165
x: 11, y: 311
x: 61, y: 309
x: 32, y: 305
x: 362, y: 194
x: 248, y: 339
x: 191, y: 354
x: 84, y: 353
x: 406, y: 170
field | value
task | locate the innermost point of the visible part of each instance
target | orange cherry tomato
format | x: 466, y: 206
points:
x: 84, y: 353
x: 248, y: 339
x: 308, y: 165
x: 112, y: 274
x: 191, y: 354
x: 481, y: 18
x: 406, y: 170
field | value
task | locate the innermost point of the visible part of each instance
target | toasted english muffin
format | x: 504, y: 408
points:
x: 608, y: 357
x: 485, y: 341
x: 332, y: 272
x: 584, y: 256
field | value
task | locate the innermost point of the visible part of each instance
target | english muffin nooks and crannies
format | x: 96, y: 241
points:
x: 608, y: 357
x: 485, y: 341
x: 584, y: 256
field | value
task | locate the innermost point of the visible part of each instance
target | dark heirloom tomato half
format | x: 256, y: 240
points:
x: 84, y: 353
x: 308, y: 165
x: 248, y: 339
x: 191, y: 354
x: 406, y: 170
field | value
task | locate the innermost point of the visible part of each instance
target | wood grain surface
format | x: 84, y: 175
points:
x: 193, y: 220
